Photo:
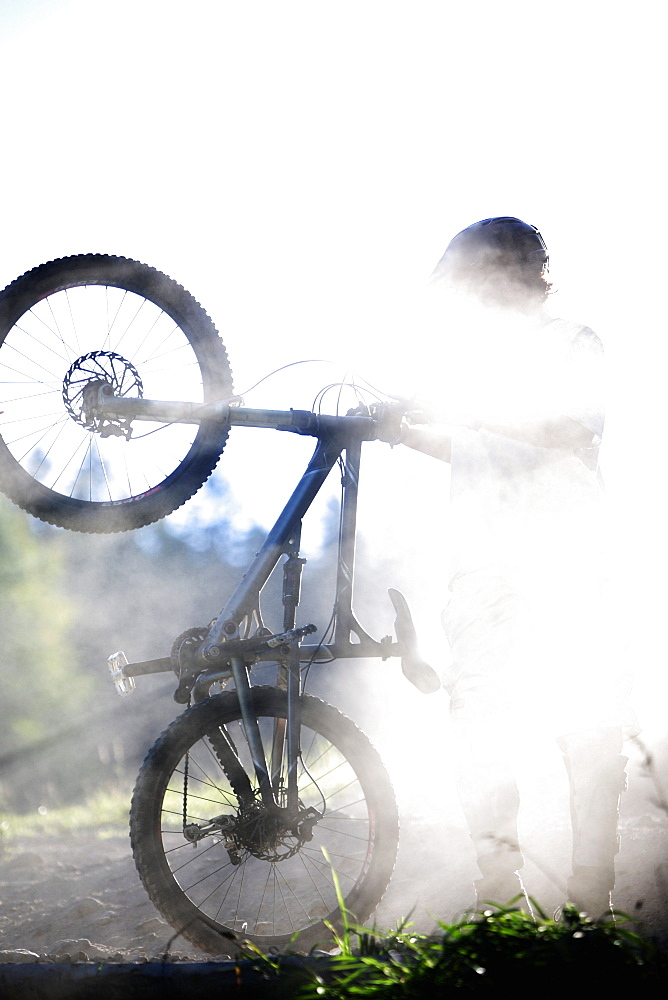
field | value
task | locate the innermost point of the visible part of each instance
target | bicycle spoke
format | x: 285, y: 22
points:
x: 92, y: 324
x: 102, y: 326
x: 264, y: 893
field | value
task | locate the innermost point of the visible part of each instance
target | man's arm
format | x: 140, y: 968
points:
x: 550, y: 432
x: 558, y: 432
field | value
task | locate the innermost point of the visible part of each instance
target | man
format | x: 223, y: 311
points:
x: 520, y: 422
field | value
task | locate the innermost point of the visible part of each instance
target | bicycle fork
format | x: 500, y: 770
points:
x: 290, y: 674
x: 278, y: 790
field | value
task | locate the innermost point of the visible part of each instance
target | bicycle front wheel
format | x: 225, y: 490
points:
x: 220, y: 869
x: 95, y: 320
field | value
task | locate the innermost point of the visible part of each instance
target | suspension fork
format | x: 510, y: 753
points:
x: 287, y: 732
x: 285, y: 736
x: 284, y: 538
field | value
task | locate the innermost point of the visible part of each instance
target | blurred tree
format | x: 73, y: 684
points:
x: 41, y: 685
x: 68, y: 600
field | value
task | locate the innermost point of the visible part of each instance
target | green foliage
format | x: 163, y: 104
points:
x: 105, y: 812
x: 67, y: 601
x: 39, y: 682
x: 496, y: 950
x: 492, y: 951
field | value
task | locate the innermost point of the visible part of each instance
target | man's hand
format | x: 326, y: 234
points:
x: 398, y: 423
x: 390, y: 422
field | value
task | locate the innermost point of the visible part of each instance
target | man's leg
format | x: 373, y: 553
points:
x: 596, y: 774
x: 490, y: 801
x: 486, y: 626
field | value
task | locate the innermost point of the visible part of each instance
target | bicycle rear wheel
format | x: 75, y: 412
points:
x: 95, y: 319
x: 246, y: 879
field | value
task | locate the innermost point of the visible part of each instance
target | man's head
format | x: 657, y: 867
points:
x: 501, y: 262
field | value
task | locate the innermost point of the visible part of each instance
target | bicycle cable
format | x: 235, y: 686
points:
x: 351, y: 382
x: 312, y: 659
x: 238, y: 397
x: 290, y: 364
x: 320, y: 792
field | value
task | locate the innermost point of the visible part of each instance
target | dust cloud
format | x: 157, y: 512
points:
x: 139, y: 592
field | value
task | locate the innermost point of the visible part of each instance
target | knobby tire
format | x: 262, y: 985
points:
x: 217, y: 904
x: 73, y: 321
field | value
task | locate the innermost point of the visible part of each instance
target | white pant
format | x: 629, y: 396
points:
x: 501, y: 677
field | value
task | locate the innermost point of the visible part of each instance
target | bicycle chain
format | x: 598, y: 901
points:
x: 185, y: 789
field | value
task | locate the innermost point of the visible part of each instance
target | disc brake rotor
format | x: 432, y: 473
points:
x: 91, y: 372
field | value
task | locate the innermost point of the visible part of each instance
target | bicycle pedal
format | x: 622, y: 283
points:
x: 413, y: 666
x: 117, y: 662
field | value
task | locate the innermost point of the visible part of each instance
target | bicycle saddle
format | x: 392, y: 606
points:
x: 413, y: 666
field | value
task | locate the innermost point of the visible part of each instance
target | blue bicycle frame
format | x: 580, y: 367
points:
x: 230, y: 647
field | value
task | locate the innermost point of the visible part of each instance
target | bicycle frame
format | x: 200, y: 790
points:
x: 228, y: 636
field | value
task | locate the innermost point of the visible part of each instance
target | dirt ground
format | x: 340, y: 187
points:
x: 79, y: 897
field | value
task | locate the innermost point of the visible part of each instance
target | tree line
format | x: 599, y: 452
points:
x: 69, y: 600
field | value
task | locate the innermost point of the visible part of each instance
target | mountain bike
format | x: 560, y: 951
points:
x: 261, y: 812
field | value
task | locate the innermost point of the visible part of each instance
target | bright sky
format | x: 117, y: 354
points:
x: 300, y: 167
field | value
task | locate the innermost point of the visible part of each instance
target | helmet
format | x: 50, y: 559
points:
x: 503, y: 247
